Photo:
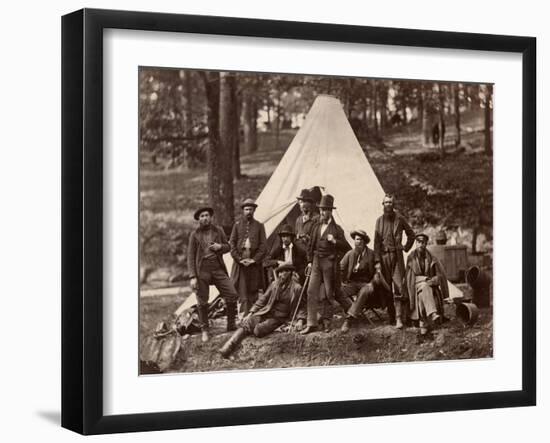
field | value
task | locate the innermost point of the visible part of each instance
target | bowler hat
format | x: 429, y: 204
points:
x: 248, y: 202
x: 305, y: 195
x: 285, y: 267
x: 286, y: 230
x: 422, y: 235
x: 199, y: 211
x: 360, y: 233
x: 327, y: 202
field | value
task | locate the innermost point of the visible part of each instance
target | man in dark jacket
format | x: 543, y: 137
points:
x: 388, y: 251
x: 273, y: 308
x: 307, y: 219
x: 207, y: 244
x: 248, y: 249
x: 359, y: 277
x: 286, y: 250
x: 328, y: 245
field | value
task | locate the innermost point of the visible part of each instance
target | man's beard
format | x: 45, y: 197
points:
x: 204, y: 224
x: 388, y: 210
x: 249, y: 216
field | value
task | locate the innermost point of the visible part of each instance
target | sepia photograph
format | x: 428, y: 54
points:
x: 294, y: 221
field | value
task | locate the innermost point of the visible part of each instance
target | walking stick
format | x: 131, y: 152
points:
x: 306, y: 282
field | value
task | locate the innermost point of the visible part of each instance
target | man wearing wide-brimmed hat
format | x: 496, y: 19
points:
x: 207, y: 244
x: 426, y: 285
x: 307, y: 219
x: 388, y: 252
x: 286, y: 250
x: 328, y: 245
x: 359, y: 278
x: 248, y: 249
x: 273, y: 308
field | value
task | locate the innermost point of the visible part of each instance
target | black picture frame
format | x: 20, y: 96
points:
x: 82, y: 220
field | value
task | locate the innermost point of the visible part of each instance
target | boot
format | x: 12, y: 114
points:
x: 203, y: 318
x: 346, y: 325
x: 423, y: 327
x: 231, y: 312
x: 391, y: 311
x: 308, y: 330
x: 232, y: 343
x: 299, y: 324
x: 398, y: 313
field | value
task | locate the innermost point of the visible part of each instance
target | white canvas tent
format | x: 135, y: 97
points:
x: 324, y: 153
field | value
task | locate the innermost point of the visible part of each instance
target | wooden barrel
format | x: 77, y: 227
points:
x: 456, y: 262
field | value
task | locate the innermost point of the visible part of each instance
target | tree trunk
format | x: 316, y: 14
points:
x: 214, y: 165
x: 383, y: 107
x: 228, y: 111
x: 278, y: 121
x: 237, y: 136
x: 249, y: 113
x: 425, y: 136
x: 488, y: 120
x: 188, y: 115
x: 441, y: 125
x: 375, y: 110
x: 456, y: 88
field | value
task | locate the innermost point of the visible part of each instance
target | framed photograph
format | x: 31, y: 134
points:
x: 270, y: 221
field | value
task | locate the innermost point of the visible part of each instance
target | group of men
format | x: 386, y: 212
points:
x: 316, y: 271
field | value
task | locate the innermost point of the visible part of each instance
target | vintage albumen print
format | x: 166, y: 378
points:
x: 290, y: 221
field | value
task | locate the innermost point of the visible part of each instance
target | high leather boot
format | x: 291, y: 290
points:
x: 398, y: 315
x: 230, y: 345
x: 391, y: 310
x: 231, y: 312
x: 203, y: 318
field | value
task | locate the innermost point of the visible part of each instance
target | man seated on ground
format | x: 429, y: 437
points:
x: 426, y: 285
x: 359, y: 277
x: 273, y: 308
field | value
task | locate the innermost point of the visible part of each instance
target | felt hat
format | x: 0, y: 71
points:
x: 199, y: 211
x: 248, y: 202
x: 286, y: 230
x: 327, y: 202
x: 305, y: 194
x: 285, y: 267
x: 360, y: 233
x: 422, y: 235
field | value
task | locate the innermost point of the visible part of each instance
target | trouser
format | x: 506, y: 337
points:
x: 425, y: 300
x: 394, y: 300
x: 248, y: 284
x: 364, y: 292
x: 260, y: 325
x: 211, y: 273
x: 323, y: 280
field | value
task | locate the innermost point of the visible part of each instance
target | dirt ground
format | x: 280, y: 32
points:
x: 364, y: 343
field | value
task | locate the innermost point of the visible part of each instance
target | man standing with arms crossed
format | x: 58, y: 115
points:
x: 388, y: 251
